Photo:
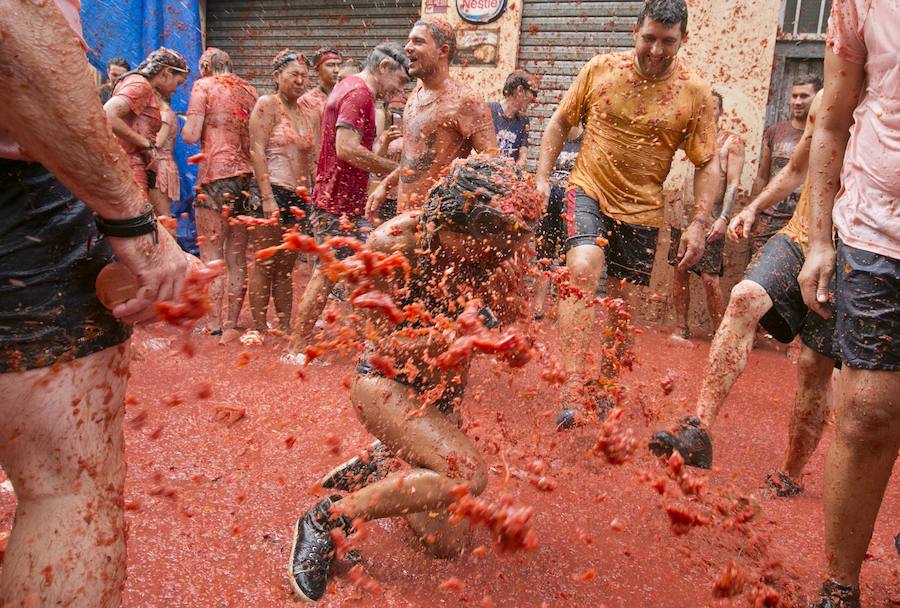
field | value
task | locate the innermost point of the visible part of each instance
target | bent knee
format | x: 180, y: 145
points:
x: 710, y: 281
x: 585, y: 265
x: 469, y: 469
x: 749, y: 300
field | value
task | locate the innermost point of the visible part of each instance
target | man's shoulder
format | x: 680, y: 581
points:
x: 691, y: 81
x: 464, y: 93
x: 351, y: 88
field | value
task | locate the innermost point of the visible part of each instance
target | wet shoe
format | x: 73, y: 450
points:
x: 570, y: 417
x: 689, y: 439
x: 312, y: 550
x: 782, y: 485
x: 359, y: 471
x: 836, y: 595
x: 567, y: 418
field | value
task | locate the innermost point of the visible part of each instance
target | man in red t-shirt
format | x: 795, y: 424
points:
x: 342, y: 177
x: 219, y: 117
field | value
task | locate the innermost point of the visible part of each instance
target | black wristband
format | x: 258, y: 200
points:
x: 128, y: 228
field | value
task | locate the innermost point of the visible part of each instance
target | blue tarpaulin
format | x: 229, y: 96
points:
x: 132, y: 29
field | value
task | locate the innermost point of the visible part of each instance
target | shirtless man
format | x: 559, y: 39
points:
x: 778, y: 145
x: 443, y: 120
x: 770, y: 295
x: 218, y: 116
x: 638, y: 108
x: 731, y: 164
x: 64, y: 357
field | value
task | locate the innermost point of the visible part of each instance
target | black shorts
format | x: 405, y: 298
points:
x: 776, y: 268
x: 631, y: 248
x: 712, y: 260
x: 867, y: 307
x: 231, y: 191
x: 285, y: 199
x: 551, y: 231
x: 766, y: 227
x: 446, y: 402
x: 327, y: 224
x: 50, y: 255
x: 388, y: 210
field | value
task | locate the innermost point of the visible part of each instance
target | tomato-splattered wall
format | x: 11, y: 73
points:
x: 488, y: 79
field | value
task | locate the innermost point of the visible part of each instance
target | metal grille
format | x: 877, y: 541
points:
x: 801, y: 18
x: 558, y: 38
x: 253, y: 31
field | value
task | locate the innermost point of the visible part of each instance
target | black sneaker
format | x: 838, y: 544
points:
x: 359, y: 472
x: 782, y: 485
x: 836, y: 595
x: 312, y: 550
x: 571, y: 417
x: 689, y: 439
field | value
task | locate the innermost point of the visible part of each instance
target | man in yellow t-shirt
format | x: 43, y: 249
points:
x: 638, y: 107
x: 769, y: 294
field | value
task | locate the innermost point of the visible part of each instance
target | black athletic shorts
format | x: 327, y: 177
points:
x: 285, y: 199
x: 327, y: 224
x: 50, y: 255
x: 450, y: 397
x: 551, y: 231
x: 231, y: 191
x: 388, y: 210
x: 766, y: 227
x: 776, y: 268
x: 867, y: 307
x: 631, y: 248
x: 712, y: 260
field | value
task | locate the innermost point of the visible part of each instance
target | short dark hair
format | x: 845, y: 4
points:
x: 390, y: 51
x: 519, y: 78
x: 442, y: 33
x: 805, y: 79
x: 119, y: 61
x: 718, y: 96
x: 667, y: 12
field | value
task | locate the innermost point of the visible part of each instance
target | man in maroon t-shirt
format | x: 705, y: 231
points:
x: 342, y: 176
x: 779, y: 142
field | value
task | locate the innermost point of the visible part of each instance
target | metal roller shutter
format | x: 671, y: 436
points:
x: 253, y: 31
x: 559, y: 37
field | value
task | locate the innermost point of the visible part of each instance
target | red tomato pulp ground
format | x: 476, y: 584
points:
x: 212, y: 496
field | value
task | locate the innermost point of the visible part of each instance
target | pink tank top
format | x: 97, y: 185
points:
x: 288, y: 154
